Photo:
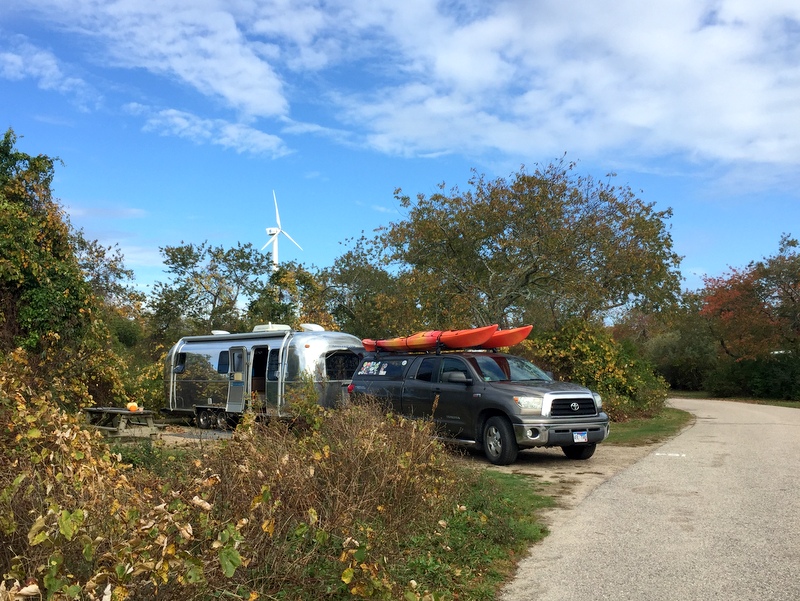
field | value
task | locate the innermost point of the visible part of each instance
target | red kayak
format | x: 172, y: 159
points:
x: 429, y: 340
x: 507, y: 337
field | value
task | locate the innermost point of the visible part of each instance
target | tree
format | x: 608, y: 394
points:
x: 756, y: 310
x: 42, y: 291
x: 209, y: 287
x: 677, y: 342
x: 293, y: 296
x: 754, y: 315
x: 48, y: 312
x: 547, y: 245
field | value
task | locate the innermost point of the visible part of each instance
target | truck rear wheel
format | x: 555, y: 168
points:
x: 583, y: 451
x: 499, y: 443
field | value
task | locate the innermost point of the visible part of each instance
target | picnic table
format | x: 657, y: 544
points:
x: 118, y: 421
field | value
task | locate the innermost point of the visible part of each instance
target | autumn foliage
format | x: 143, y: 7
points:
x: 322, y: 510
x: 587, y: 354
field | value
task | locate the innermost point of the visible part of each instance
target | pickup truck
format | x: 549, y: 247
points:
x: 486, y: 400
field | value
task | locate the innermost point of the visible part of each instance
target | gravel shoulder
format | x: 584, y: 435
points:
x: 568, y: 481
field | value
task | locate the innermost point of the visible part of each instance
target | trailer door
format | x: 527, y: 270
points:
x: 236, y: 379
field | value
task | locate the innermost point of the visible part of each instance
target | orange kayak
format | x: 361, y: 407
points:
x: 507, y: 337
x: 428, y: 341
x: 453, y: 339
x: 421, y: 341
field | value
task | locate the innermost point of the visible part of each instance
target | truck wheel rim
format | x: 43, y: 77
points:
x: 493, y: 441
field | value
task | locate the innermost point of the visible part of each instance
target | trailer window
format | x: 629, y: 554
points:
x: 223, y: 364
x: 272, y: 366
x: 180, y: 364
x: 341, y: 365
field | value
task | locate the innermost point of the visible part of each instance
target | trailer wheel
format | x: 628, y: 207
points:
x: 223, y: 423
x: 205, y: 419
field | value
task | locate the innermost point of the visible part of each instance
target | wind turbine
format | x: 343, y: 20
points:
x: 274, y: 232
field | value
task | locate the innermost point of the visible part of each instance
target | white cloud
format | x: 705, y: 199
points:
x: 197, y: 43
x: 714, y: 80
x: 595, y: 79
x: 234, y: 136
x: 22, y: 60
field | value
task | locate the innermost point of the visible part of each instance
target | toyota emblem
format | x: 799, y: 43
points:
x: 575, y: 406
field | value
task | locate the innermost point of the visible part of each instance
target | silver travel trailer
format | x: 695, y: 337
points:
x: 215, y: 378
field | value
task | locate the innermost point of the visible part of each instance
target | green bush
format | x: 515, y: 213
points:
x: 587, y: 354
x: 772, y: 377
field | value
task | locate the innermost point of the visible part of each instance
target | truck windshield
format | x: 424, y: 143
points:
x: 497, y: 368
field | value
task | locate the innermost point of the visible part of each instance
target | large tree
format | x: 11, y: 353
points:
x: 208, y: 288
x: 538, y: 247
x: 43, y: 292
x: 755, y: 312
x: 48, y: 306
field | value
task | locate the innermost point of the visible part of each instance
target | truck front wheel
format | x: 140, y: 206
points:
x: 583, y: 451
x: 499, y: 443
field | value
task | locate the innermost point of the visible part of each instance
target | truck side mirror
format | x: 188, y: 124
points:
x: 458, y: 377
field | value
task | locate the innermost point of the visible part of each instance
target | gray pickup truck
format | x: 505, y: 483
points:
x: 487, y: 400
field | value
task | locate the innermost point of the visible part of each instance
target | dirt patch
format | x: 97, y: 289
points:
x: 567, y: 480
x: 188, y: 436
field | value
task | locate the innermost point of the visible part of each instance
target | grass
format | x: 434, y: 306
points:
x: 636, y: 432
x: 475, y: 550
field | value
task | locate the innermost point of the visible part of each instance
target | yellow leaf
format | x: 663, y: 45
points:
x: 347, y: 576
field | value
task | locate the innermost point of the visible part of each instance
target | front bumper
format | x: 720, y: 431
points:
x: 555, y: 434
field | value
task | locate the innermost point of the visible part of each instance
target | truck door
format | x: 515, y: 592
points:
x: 237, y: 368
x: 456, y: 403
x: 418, y: 393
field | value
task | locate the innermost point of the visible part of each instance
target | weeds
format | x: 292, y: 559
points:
x: 343, y: 504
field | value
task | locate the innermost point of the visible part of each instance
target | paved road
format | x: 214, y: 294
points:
x: 712, y: 514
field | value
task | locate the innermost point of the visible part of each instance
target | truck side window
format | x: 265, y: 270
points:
x: 425, y: 371
x: 451, y: 364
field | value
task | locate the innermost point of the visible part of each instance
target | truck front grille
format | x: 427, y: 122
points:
x: 572, y: 406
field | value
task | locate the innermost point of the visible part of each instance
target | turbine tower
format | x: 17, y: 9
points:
x: 274, y: 232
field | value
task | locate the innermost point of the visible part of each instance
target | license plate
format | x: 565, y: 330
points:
x: 580, y: 437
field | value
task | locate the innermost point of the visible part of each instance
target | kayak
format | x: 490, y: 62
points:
x: 454, y: 339
x: 507, y: 337
x: 429, y: 340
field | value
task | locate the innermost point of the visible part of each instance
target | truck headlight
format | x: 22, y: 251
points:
x: 529, y: 402
x: 598, y: 400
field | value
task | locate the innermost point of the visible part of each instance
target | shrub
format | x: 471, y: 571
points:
x: 587, y: 354
x: 310, y: 512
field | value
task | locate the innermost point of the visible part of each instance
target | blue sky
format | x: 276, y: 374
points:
x: 177, y: 119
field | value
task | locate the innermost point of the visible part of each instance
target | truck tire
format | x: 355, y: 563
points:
x: 583, y: 451
x: 205, y: 419
x: 499, y: 442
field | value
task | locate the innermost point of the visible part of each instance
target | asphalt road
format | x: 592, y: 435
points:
x: 712, y: 514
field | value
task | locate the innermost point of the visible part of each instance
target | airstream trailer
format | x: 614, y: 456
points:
x: 215, y: 378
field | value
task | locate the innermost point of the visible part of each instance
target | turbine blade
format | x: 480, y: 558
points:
x: 270, y: 241
x: 292, y: 239
x: 277, y: 216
